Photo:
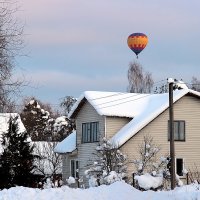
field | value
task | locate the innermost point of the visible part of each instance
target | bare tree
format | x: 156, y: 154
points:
x: 67, y: 103
x: 139, y: 81
x: 195, y: 84
x: 108, y: 166
x: 149, y: 161
x: 161, y: 89
x: 47, y: 162
x: 11, y: 43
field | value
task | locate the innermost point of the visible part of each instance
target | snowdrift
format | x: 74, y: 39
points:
x: 116, y: 191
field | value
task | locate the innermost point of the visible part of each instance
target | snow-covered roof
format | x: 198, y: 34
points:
x: 143, y: 108
x: 113, y: 103
x: 153, y: 106
x: 68, y: 145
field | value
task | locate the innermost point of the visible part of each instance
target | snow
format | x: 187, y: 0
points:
x: 68, y: 145
x: 113, y: 103
x: 71, y: 180
x: 147, y: 181
x: 116, y: 191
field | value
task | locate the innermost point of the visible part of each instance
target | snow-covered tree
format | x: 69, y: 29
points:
x: 149, y: 164
x: 60, y: 127
x: 108, y: 166
x: 35, y: 120
x: 43, y: 125
x: 16, y: 161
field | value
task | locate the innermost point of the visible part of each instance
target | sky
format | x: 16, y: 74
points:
x: 78, y: 45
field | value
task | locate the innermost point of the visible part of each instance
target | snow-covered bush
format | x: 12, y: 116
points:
x: 108, y: 166
x: 149, y: 166
x: 148, y: 181
x: 70, y: 180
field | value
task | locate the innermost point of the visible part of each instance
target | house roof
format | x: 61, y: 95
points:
x: 68, y: 145
x: 143, y: 108
x: 113, y: 103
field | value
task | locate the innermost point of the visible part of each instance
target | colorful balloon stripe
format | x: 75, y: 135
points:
x: 137, y: 42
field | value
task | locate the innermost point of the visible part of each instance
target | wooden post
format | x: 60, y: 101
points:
x: 171, y: 128
x: 133, y: 175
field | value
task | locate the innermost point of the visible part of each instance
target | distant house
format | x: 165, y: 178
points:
x: 126, y: 118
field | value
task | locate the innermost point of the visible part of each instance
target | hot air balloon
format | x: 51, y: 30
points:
x: 137, y: 42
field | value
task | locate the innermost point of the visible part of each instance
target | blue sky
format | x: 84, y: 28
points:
x: 78, y: 45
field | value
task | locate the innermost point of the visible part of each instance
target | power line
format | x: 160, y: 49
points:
x: 118, y: 99
x: 134, y: 94
x: 126, y: 101
x: 120, y: 93
x: 116, y: 94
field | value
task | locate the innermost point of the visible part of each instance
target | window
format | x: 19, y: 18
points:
x: 90, y: 132
x: 179, y: 166
x: 179, y: 131
x: 74, y: 168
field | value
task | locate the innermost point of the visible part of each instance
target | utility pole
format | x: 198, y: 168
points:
x: 171, y: 128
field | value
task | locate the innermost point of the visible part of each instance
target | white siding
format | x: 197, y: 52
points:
x: 87, y: 114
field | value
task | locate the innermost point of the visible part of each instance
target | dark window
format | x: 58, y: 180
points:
x: 179, y: 131
x: 74, y: 168
x: 90, y: 132
x: 179, y: 166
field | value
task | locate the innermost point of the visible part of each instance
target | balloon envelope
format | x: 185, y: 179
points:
x: 137, y: 42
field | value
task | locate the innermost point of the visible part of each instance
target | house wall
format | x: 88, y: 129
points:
x: 87, y: 114
x: 188, y: 109
x: 114, y: 124
x: 66, y: 166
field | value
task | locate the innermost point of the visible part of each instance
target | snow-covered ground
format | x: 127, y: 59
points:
x: 116, y: 191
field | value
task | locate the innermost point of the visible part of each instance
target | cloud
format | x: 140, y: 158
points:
x: 51, y: 22
x: 63, y: 83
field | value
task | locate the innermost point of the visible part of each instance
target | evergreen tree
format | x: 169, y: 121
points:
x: 35, y: 119
x: 16, y: 162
